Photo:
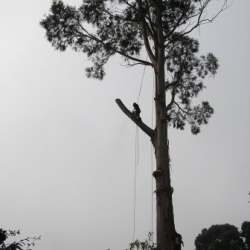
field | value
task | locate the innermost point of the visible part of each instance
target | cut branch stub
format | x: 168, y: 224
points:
x: 136, y: 120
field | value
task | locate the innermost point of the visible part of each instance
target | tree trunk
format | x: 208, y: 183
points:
x: 164, y: 208
x: 166, y: 234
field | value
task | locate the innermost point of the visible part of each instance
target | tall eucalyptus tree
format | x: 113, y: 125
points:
x: 162, y: 28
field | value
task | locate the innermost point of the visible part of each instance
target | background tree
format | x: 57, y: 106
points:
x: 23, y: 244
x: 161, y: 28
x: 245, y: 233
x: 223, y: 237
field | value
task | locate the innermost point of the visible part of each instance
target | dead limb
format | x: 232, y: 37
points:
x: 136, y: 120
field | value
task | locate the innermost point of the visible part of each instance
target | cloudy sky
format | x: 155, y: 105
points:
x: 67, y: 152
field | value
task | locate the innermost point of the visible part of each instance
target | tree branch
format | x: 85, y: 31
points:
x: 138, y: 122
x: 176, y: 25
x: 172, y: 99
x: 151, y: 23
x: 93, y: 37
x: 180, y: 108
x: 200, y: 21
x: 170, y: 84
x: 144, y: 33
x: 175, y: 84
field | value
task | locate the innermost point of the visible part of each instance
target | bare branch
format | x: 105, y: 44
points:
x: 172, y: 99
x: 200, y: 21
x: 138, y: 122
x: 151, y: 24
x: 175, y: 84
x: 129, y: 65
x: 180, y: 108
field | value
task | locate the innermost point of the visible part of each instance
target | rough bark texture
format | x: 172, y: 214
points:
x: 165, y: 218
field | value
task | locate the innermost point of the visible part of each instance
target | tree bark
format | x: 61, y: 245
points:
x: 164, y: 208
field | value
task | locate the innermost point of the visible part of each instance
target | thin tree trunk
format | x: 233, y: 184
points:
x: 164, y: 208
x: 166, y: 234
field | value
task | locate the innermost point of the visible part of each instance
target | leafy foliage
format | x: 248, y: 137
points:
x: 245, y: 232
x: 148, y: 244
x: 23, y: 244
x: 224, y: 237
x: 103, y: 28
x: 187, y: 71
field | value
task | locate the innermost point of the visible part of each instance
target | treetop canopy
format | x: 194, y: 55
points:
x: 103, y: 28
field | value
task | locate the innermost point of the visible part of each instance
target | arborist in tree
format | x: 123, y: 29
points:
x: 136, y: 111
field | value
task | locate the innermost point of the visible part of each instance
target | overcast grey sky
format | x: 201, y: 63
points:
x: 67, y: 153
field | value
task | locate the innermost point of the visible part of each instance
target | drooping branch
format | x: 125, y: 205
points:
x: 181, y: 109
x: 98, y: 40
x: 138, y: 122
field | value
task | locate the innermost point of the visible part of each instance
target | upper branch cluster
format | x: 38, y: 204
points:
x: 185, y: 82
x: 102, y: 28
x: 112, y: 32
